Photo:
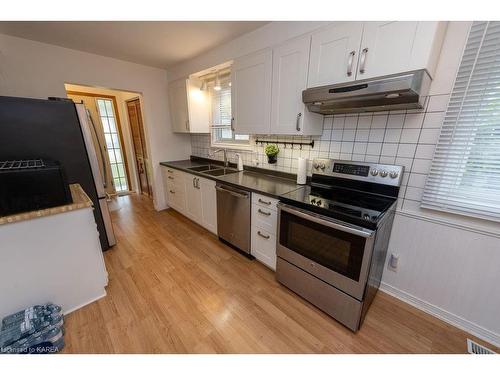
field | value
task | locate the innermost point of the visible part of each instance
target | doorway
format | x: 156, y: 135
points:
x: 108, y: 139
x: 139, y: 142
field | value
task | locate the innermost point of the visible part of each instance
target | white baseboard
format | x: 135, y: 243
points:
x: 470, y: 327
x: 70, y: 310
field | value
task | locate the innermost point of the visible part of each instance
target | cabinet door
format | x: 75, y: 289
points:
x: 179, y: 106
x: 290, y: 61
x: 264, y: 246
x: 193, y: 198
x: 208, y: 204
x: 198, y: 107
x: 334, y: 54
x: 251, y: 93
x: 387, y: 48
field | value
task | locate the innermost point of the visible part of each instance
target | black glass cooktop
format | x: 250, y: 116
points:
x: 352, y: 206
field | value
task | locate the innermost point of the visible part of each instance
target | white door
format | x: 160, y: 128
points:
x: 387, y: 48
x: 179, y: 106
x: 208, y: 204
x: 251, y: 93
x: 290, y: 63
x: 193, y: 198
x: 334, y: 54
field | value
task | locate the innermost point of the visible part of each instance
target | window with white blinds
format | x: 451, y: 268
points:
x: 465, y: 172
x: 221, y: 115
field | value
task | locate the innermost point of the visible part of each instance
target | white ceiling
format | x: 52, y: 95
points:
x: 160, y: 44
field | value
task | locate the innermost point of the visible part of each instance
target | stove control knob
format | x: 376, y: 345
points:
x: 315, y: 165
x: 322, y: 166
x: 383, y: 173
x: 374, y: 172
x: 318, y: 203
x: 313, y: 201
x: 394, y: 174
x: 366, y: 217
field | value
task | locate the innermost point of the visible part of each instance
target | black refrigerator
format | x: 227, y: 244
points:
x: 57, y: 130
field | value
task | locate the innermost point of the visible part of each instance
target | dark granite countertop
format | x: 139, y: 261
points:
x: 256, y: 180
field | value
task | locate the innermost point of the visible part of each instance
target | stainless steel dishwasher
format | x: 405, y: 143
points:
x: 233, y: 216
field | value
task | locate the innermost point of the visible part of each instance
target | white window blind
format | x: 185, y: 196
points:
x: 465, y: 172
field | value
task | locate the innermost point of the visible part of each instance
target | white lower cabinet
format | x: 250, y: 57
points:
x: 264, y: 229
x: 192, y: 196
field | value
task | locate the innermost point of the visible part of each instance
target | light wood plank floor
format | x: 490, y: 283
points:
x: 174, y: 288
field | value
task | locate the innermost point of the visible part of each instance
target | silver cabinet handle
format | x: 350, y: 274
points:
x: 232, y: 124
x: 170, y: 178
x: 363, y: 60
x: 350, y: 62
x: 297, y: 124
x: 261, y: 201
x: 263, y: 212
x: 187, y: 124
x: 170, y: 171
x: 171, y: 191
x: 194, y: 182
x: 198, y: 183
x: 263, y: 235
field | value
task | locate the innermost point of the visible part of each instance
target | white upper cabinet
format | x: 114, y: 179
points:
x: 334, y: 54
x: 396, y: 47
x: 251, y: 93
x: 350, y: 51
x: 179, y: 106
x: 288, y: 113
x: 189, y: 106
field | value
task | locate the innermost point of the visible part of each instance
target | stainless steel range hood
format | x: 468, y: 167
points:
x: 398, y: 91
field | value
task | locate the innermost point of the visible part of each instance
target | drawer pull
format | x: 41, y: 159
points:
x: 263, y: 235
x: 263, y: 212
x: 261, y: 201
x: 170, y: 171
x: 173, y: 192
x: 170, y: 178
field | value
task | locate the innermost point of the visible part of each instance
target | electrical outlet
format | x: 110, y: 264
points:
x: 394, y: 261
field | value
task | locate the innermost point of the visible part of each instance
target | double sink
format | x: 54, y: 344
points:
x: 213, y: 170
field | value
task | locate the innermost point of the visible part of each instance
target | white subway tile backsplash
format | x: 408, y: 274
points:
x: 362, y: 134
x: 360, y: 147
x: 404, y: 138
x: 414, y: 120
x: 410, y: 135
x: 406, y: 150
x: 364, y: 122
x: 373, y: 148
x: 424, y: 151
x: 433, y: 120
x: 395, y: 121
x: 376, y: 135
x: 421, y: 166
x: 379, y: 121
x: 392, y: 135
x: 389, y: 149
x: 429, y: 135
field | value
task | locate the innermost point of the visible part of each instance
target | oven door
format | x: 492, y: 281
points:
x: 335, y: 252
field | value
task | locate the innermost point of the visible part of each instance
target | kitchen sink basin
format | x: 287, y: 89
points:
x: 219, y: 172
x: 203, y: 168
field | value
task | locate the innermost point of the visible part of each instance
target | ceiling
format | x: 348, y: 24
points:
x: 160, y: 44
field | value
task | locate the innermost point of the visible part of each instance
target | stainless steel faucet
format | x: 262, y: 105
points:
x: 226, y: 164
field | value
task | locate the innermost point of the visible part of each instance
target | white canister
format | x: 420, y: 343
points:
x: 302, y: 171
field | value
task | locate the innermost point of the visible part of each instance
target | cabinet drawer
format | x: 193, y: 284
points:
x: 264, y: 247
x: 264, y: 201
x: 264, y: 218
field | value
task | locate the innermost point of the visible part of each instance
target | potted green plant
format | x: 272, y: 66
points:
x: 272, y: 152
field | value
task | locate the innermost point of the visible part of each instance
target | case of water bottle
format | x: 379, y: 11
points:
x: 36, y: 330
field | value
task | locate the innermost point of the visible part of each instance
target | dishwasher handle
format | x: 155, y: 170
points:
x: 233, y: 193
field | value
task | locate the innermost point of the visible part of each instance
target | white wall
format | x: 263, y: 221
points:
x: 38, y: 70
x: 449, y: 264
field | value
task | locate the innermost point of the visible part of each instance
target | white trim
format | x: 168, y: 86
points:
x: 456, y: 321
x: 66, y: 312
x: 449, y: 223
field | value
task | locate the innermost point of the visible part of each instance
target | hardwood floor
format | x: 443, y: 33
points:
x: 174, y: 288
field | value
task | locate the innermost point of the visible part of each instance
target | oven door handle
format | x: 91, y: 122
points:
x: 328, y: 222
